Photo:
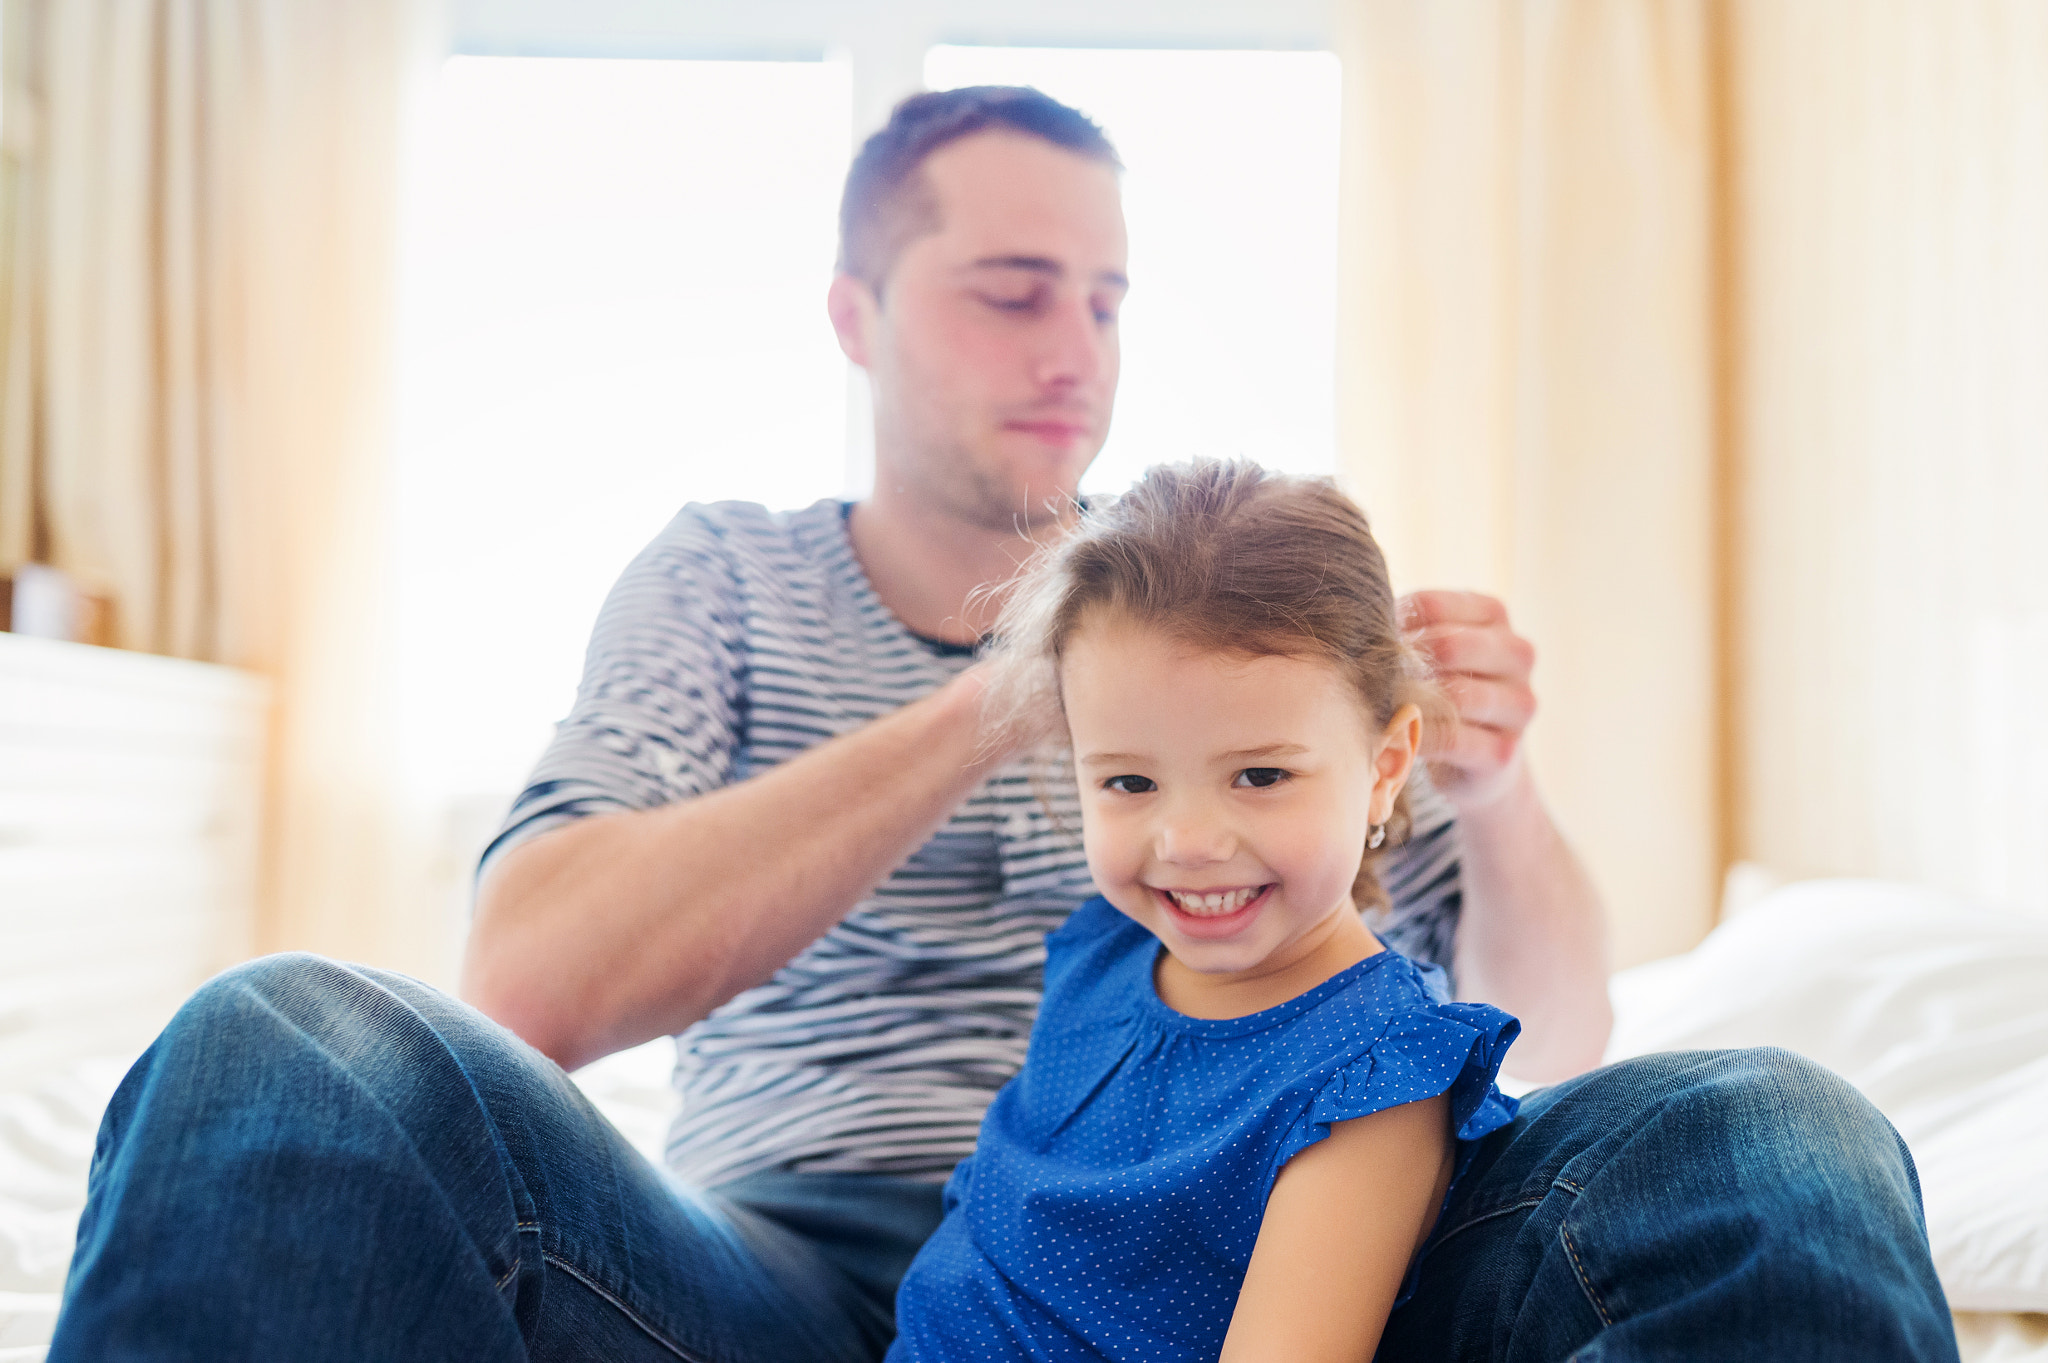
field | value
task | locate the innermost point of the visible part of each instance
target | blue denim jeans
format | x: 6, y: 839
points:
x: 323, y: 1162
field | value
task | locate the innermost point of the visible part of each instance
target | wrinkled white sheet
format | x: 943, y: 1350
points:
x: 1938, y: 1010
x: 1935, y: 1008
x: 46, y: 1139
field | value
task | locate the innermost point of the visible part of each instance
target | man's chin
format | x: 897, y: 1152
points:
x: 1026, y: 506
x: 1032, y: 516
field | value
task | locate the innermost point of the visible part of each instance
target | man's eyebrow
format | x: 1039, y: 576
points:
x: 1035, y: 264
x: 1047, y: 266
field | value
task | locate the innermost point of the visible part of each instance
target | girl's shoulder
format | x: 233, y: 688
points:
x: 1420, y: 1045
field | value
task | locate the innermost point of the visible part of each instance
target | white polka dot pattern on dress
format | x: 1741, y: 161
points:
x: 1114, y: 1197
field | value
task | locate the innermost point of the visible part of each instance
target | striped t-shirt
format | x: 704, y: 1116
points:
x: 738, y: 639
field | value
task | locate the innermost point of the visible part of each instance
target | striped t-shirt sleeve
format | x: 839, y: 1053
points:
x: 1422, y: 880
x: 661, y: 705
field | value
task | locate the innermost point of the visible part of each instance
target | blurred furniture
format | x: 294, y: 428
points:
x: 129, y: 789
x: 49, y: 603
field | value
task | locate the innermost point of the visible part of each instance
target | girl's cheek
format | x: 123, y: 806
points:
x: 1114, y: 847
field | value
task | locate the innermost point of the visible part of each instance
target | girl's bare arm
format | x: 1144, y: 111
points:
x: 1343, y: 1221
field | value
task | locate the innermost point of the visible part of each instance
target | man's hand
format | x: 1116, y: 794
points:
x: 1531, y: 938
x: 1483, y: 667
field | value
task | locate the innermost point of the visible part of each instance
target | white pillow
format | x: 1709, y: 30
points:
x: 1937, y: 1009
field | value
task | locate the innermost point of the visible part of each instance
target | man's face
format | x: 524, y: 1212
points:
x: 993, y: 350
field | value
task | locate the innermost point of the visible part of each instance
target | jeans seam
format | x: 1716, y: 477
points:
x: 518, y: 1228
x: 630, y: 1314
x: 1579, y: 1270
x: 1470, y: 1222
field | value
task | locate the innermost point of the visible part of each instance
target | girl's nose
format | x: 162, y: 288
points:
x: 1195, y: 841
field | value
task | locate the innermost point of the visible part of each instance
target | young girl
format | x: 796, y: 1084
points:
x: 1240, y: 1115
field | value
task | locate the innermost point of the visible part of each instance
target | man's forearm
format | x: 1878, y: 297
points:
x: 622, y: 927
x: 1532, y: 938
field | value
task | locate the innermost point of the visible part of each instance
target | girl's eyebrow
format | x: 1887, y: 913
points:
x: 1104, y: 759
x: 1268, y: 750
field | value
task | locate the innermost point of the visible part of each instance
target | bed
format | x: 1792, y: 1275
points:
x: 1937, y: 1009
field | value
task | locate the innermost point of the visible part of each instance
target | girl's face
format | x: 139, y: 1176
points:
x: 1225, y: 800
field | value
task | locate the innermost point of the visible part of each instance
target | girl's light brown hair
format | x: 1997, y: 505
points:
x: 1221, y: 556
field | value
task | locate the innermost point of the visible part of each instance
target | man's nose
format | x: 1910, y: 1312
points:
x: 1073, y: 345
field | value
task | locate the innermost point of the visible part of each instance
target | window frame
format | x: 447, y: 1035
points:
x: 882, y: 41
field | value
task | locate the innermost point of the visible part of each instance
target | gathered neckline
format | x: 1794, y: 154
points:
x: 1158, y: 1011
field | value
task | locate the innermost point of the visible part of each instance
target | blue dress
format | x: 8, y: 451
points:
x: 1112, y: 1201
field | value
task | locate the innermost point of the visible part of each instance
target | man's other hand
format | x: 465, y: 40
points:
x: 1483, y: 667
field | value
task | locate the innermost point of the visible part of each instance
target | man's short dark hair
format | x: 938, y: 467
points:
x: 887, y: 205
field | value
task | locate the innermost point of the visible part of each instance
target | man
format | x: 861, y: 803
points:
x: 772, y: 824
x: 980, y: 288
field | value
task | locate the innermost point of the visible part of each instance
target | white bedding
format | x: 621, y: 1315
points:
x: 1936, y: 1009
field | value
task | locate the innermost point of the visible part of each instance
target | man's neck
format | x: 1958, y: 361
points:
x: 928, y: 567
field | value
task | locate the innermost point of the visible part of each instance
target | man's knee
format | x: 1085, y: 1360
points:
x: 1777, y: 1116
x: 252, y: 1027
x: 298, y: 1049
x: 1759, y: 1088
x: 286, y: 972
x: 251, y: 1000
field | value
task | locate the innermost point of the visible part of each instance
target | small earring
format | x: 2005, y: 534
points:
x: 1379, y: 835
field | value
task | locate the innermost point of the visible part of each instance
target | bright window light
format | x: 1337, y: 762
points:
x: 1230, y: 192
x: 613, y: 305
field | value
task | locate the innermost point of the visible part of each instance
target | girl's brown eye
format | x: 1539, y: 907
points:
x: 1258, y: 778
x: 1130, y: 785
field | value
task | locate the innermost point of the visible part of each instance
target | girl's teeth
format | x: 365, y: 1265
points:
x: 1221, y: 902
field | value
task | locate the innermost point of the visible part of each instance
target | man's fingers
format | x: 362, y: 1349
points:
x: 1495, y: 652
x: 1490, y: 704
x: 1472, y: 748
x: 1420, y: 610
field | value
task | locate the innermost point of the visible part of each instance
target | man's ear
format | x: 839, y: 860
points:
x: 855, y: 313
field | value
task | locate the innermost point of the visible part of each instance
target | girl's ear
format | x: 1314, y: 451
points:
x: 1399, y: 745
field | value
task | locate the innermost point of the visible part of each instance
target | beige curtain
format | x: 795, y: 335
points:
x: 197, y: 378
x: 1891, y: 210
x: 1528, y: 401
x: 1714, y: 337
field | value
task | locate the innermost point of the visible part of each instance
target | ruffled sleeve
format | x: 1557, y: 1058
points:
x: 1453, y: 1048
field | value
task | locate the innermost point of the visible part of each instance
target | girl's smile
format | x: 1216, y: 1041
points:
x: 1214, y: 913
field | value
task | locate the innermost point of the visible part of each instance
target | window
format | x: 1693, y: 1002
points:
x: 614, y: 301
